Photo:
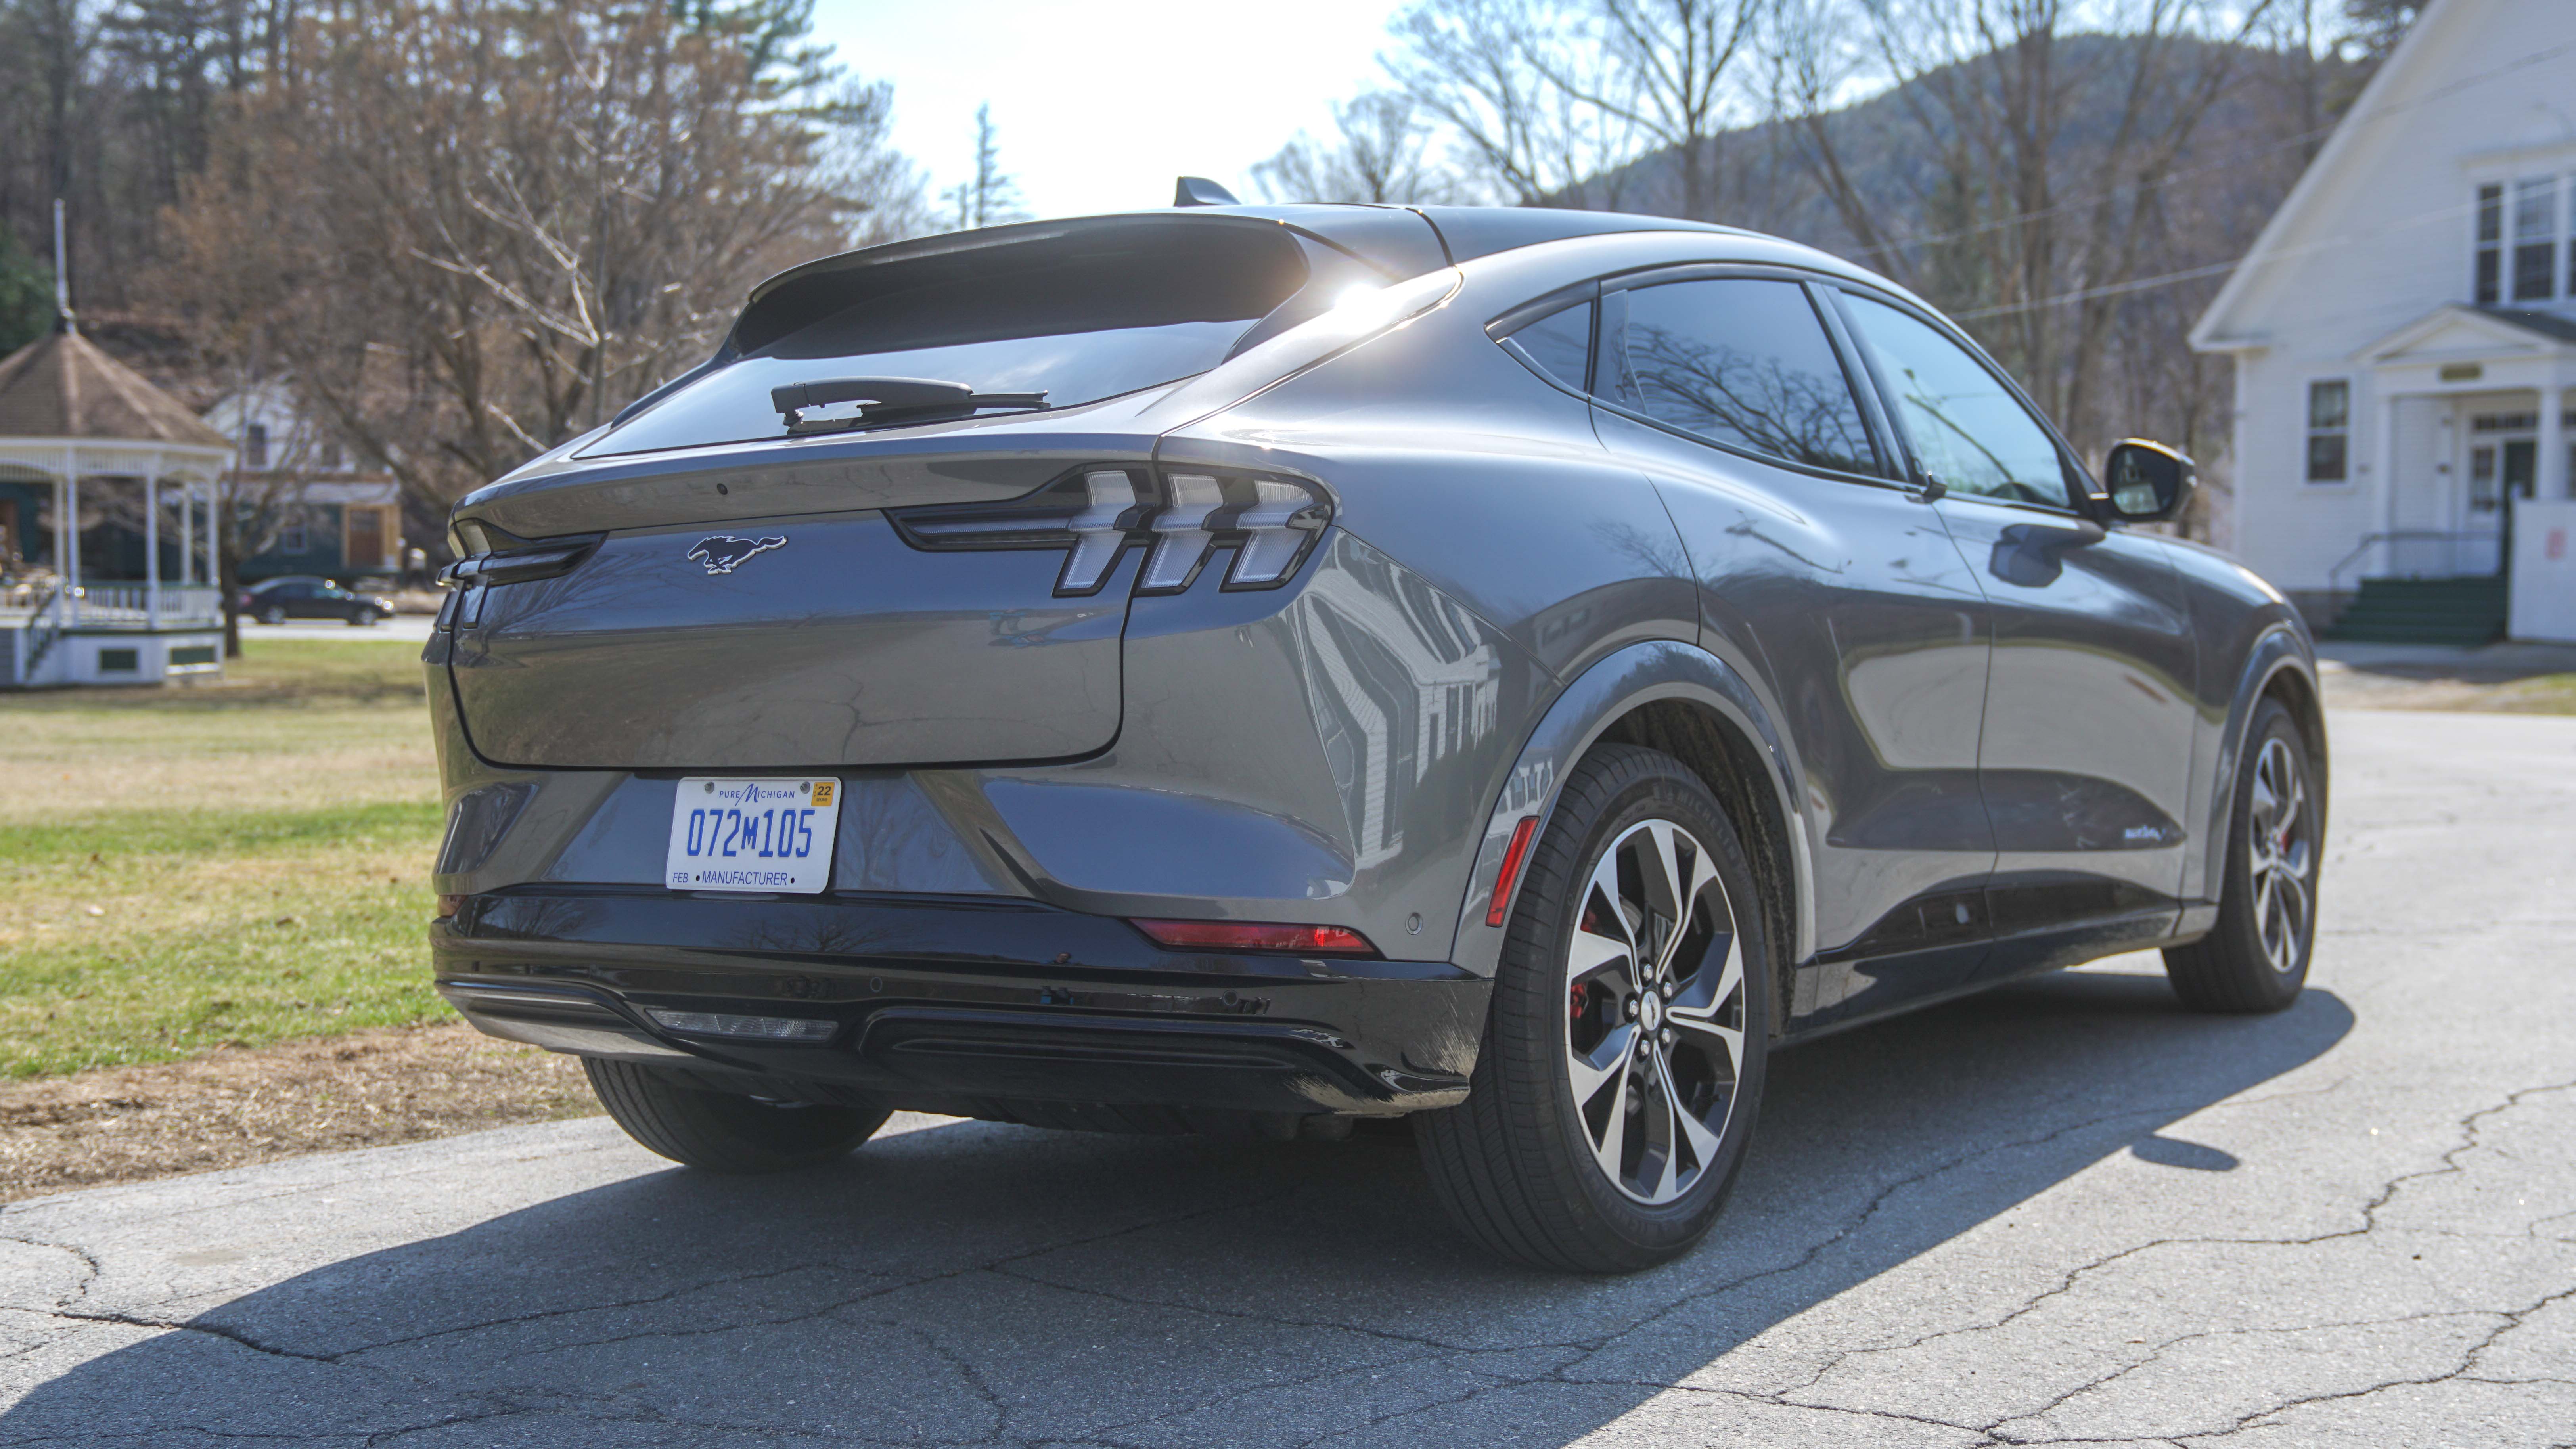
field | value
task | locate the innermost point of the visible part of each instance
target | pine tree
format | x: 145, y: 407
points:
x: 992, y: 197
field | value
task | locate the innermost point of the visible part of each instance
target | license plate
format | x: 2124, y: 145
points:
x: 753, y: 835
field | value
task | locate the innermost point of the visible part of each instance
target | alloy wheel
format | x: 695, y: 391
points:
x: 1655, y: 1017
x: 2280, y: 856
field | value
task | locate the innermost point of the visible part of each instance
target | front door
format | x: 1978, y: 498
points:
x: 2504, y: 465
x: 1825, y: 577
x: 2085, y: 760
x: 363, y: 549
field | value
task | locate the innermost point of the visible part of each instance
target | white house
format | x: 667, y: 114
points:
x: 2404, y: 331
x: 343, y: 518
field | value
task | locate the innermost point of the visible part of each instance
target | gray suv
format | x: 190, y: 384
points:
x: 1258, y: 669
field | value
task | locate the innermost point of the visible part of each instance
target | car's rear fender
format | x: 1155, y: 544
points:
x: 1622, y: 688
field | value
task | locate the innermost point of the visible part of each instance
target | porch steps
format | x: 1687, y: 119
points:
x: 2467, y: 611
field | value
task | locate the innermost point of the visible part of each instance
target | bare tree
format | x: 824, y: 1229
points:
x: 1552, y: 100
x: 470, y: 230
x: 1383, y: 152
x: 1673, y: 79
x: 1494, y: 74
x: 2043, y: 210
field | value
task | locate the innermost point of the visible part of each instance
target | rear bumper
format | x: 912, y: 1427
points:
x: 976, y: 1007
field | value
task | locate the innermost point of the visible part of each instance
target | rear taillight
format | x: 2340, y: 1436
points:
x: 487, y: 556
x: 1181, y: 519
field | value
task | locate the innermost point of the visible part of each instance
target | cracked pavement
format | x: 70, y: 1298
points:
x: 2063, y: 1212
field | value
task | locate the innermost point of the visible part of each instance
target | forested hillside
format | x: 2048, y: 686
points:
x: 2070, y: 179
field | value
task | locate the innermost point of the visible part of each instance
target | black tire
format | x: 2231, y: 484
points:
x: 721, y: 1131
x: 1520, y: 1166
x: 273, y: 614
x: 2256, y: 957
x: 361, y: 618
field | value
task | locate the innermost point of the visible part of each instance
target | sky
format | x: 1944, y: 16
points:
x: 1098, y: 107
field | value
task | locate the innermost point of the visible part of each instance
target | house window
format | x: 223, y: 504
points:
x: 255, y: 446
x: 2490, y: 245
x: 290, y: 537
x: 2329, y: 429
x: 2535, y: 240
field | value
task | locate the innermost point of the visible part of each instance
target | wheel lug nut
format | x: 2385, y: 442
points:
x: 1666, y: 1036
x: 1669, y: 988
x: 1632, y: 1008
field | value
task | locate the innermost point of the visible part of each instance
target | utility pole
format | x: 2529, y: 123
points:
x: 64, y: 321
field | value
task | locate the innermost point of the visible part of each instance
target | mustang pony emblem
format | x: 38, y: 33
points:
x: 722, y: 552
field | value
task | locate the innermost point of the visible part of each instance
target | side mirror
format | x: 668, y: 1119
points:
x: 2148, y: 482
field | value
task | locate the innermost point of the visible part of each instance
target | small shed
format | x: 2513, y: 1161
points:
x: 84, y: 436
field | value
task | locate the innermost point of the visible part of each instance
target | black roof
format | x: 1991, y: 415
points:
x: 1405, y: 241
x: 1461, y: 233
x: 2547, y: 324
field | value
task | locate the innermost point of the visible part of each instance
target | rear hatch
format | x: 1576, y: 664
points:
x: 696, y: 588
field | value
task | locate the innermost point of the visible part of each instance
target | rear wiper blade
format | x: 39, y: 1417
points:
x: 885, y: 401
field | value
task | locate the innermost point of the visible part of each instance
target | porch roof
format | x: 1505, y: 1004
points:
x: 2547, y: 324
x: 2461, y: 333
x: 62, y: 387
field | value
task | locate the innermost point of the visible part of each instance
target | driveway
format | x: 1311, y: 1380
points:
x: 2065, y: 1211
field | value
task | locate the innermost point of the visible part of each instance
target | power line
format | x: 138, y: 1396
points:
x: 2168, y: 279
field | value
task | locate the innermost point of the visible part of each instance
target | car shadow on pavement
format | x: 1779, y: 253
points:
x: 978, y: 1283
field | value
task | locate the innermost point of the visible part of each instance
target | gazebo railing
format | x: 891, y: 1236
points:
x: 121, y: 606
x: 129, y: 606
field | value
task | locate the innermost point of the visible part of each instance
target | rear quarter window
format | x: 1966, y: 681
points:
x: 1558, y: 345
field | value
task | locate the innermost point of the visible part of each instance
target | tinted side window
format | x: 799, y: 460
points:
x: 1559, y: 344
x: 1968, y: 430
x: 1742, y: 361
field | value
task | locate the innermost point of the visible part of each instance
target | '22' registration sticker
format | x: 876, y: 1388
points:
x: 753, y: 835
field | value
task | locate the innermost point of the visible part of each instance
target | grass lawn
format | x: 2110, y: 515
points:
x: 235, y: 864
x: 2365, y: 689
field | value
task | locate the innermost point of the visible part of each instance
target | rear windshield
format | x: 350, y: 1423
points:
x: 1079, y: 316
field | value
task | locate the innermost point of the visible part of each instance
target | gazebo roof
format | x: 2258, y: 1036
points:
x: 62, y: 386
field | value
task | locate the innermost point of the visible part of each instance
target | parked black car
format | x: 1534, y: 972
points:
x: 274, y: 601
x: 1256, y: 668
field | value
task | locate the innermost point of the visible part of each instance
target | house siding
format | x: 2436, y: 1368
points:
x: 2379, y: 236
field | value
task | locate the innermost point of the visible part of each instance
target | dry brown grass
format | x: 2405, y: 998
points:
x: 158, y: 751
x: 2348, y: 688
x: 234, y: 1107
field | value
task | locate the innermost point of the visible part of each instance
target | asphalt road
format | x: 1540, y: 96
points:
x: 2062, y: 1212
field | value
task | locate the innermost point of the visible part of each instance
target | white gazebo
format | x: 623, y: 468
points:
x: 75, y: 423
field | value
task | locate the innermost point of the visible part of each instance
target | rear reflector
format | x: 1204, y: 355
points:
x: 742, y: 1028
x: 1511, y: 871
x: 1257, y: 936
